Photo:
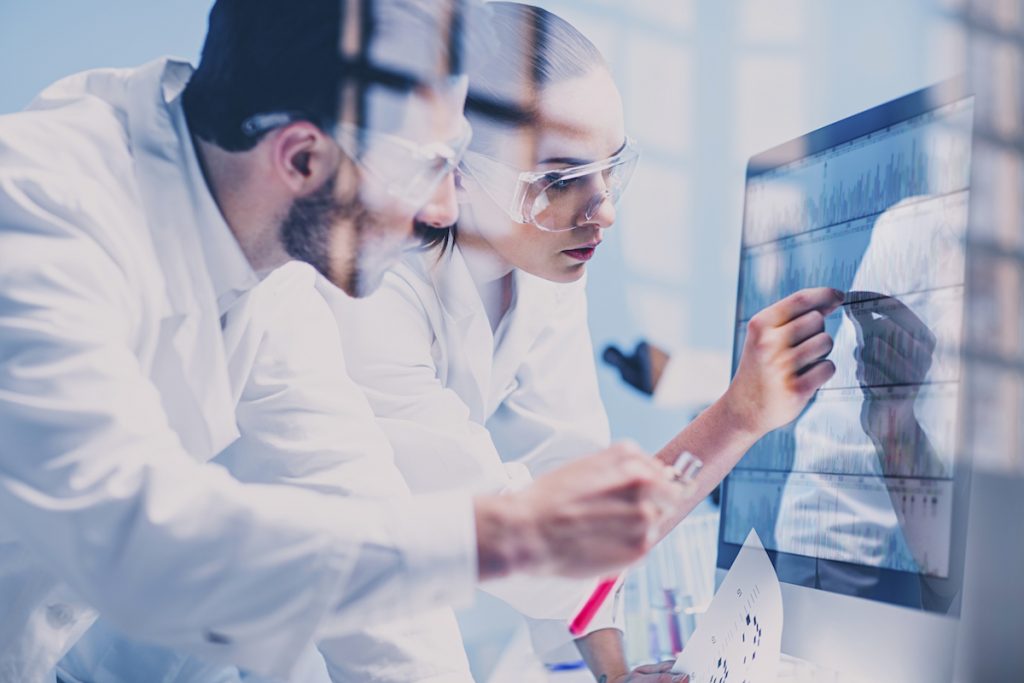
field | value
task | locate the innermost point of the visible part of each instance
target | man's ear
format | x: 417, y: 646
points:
x: 304, y: 157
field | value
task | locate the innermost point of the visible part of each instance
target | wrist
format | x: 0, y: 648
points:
x: 604, y: 653
x: 507, y: 540
x: 736, y: 414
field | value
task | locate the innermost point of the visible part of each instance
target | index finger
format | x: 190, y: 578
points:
x: 824, y: 299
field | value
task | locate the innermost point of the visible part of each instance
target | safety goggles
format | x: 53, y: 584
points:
x: 410, y: 172
x: 554, y: 200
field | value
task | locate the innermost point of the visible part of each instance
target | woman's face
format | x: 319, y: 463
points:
x: 581, y: 122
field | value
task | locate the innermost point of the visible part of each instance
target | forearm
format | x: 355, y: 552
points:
x: 781, y: 367
x: 604, y: 653
x: 719, y: 436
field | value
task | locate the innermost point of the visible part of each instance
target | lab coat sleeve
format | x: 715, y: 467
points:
x: 437, y: 444
x: 555, y: 413
x: 97, y: 485
x: 301, y: 418
x: 693, y: 378
x: 304, y: 422
x: 388, y: 341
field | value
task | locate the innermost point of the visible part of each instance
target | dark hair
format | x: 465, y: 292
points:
x: 534, y: 48
x: 431, y: 237
x: 264, y: 56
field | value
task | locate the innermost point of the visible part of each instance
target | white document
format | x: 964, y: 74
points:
x: 740, y: 636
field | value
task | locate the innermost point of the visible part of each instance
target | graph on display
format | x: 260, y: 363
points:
x: 928, y: 155
x: 919, y: 336
x: 909, y: 248
x: 865, y: 474
x: 895, y: 523
x: 841, y: 434
x: 915, y: 339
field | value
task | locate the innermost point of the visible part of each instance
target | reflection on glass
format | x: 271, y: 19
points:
x: 856, y: 496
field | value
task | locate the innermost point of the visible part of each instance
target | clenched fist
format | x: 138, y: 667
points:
x: 592, y: 516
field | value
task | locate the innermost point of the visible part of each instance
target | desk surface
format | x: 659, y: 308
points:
x: 520, y: 665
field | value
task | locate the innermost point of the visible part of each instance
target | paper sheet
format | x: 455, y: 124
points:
x: 740, y: 636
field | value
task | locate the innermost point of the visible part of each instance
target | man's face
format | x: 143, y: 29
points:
x: 357, y: 225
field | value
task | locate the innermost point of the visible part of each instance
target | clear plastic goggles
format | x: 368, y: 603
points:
x: 410, y: 172
x: 555, y: 200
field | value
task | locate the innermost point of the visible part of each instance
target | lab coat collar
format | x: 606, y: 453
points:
x: 451, y: 279
x: 182, y: 217
x: 533, y: 309
x: 464, y: 311
x: 492, y: 359
x: 230, y: 271
x: 227, y: 267
x: 460, y: 298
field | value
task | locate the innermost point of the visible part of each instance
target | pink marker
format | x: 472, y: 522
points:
x: 686, y: 466
x: 586, y: 614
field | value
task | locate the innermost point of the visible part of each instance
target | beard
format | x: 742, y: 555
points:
x: 313, y: 231
x: 342, y: 239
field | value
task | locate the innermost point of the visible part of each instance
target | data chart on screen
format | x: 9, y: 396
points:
x: 865, y: 475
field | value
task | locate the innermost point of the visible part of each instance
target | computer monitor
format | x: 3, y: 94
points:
x: 860, y: 501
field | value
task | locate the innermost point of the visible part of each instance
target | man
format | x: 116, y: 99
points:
x: 301, y: 420
x: 120, y: 247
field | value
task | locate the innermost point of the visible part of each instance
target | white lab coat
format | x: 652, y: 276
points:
x: 303, y: 422
x: 114, y: 390
x: 481, y: 411
x: 692, y: 378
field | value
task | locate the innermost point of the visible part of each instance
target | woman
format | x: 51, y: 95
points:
x: 475, y: 354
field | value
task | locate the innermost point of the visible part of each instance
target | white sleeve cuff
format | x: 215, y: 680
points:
x: 438, y: 535
x: 693, y: 378
x: 416, y: 554
x: 610, y: 615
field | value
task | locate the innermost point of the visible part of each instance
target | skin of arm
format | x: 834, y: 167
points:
x: 603, y: 651
x: 781, y: 368
x: 596, y: 648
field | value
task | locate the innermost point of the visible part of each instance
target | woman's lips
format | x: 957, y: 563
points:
x: 581, y: 253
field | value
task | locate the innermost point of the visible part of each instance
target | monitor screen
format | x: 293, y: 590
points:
x: 857, y: 496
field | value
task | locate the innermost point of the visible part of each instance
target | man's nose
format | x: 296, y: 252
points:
x: 442, y: 210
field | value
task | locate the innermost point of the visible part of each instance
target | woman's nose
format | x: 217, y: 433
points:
x: 600, y: 211
x: 443, y: 208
